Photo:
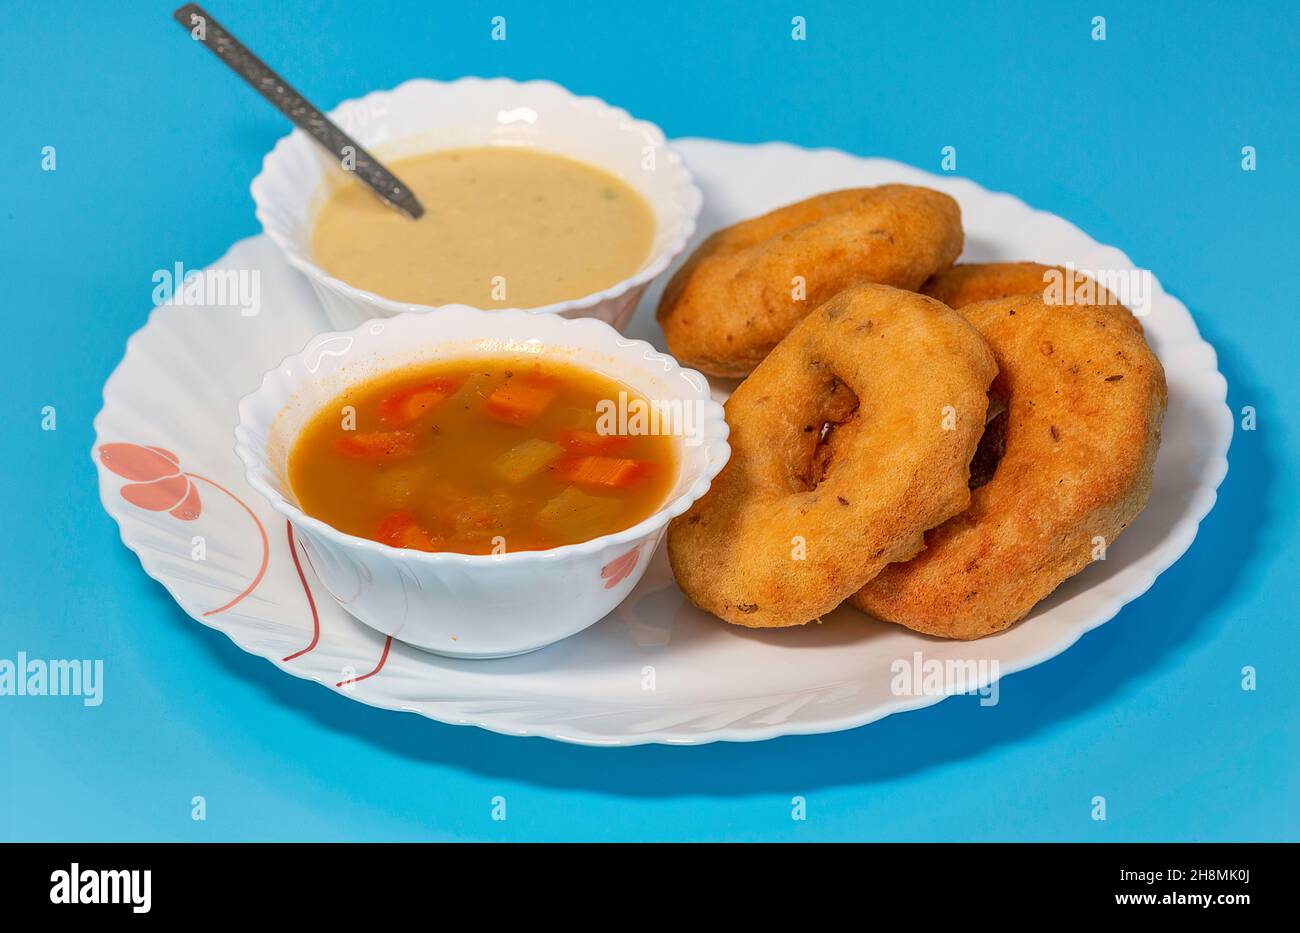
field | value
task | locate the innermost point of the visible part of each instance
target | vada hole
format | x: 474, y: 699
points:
x: 837, y: 410
x: 992, y: 444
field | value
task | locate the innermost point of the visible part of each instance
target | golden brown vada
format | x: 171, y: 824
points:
x: 969, y: 282
x: 1085, y: 398
x: 848, y: 441
x: 747, y: 285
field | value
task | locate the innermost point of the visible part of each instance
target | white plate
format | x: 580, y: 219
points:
x: 656, y: 670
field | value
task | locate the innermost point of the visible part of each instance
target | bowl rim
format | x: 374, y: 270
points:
x: 715, y: 452
x: 686, y: 195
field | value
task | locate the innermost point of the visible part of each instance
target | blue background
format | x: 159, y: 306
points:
x: 1136, y: 139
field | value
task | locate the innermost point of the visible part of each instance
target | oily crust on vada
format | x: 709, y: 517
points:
x: 970, y: 282
x: 1085, y: 398
x: 749, y: 284
x: 848, y: 441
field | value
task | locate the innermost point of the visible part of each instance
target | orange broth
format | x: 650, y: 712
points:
x: 479, y: 456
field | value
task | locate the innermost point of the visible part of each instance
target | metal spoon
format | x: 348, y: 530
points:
x: 203, y: 28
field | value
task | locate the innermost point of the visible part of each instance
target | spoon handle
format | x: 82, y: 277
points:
x: 203, y: 28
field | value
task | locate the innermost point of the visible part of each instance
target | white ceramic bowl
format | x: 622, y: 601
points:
x: 474, y: 606
x: 424, y: 116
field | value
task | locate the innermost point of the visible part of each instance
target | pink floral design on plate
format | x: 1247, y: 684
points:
x: 617, y: 569
x: 159, y: 485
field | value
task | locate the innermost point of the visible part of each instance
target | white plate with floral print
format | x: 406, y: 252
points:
x: 656, y: 669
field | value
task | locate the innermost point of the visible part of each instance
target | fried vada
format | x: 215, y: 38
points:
x: 748, y: 285
x: 1085, y: 398
x: 970, y: 282
x: 851, y: 439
